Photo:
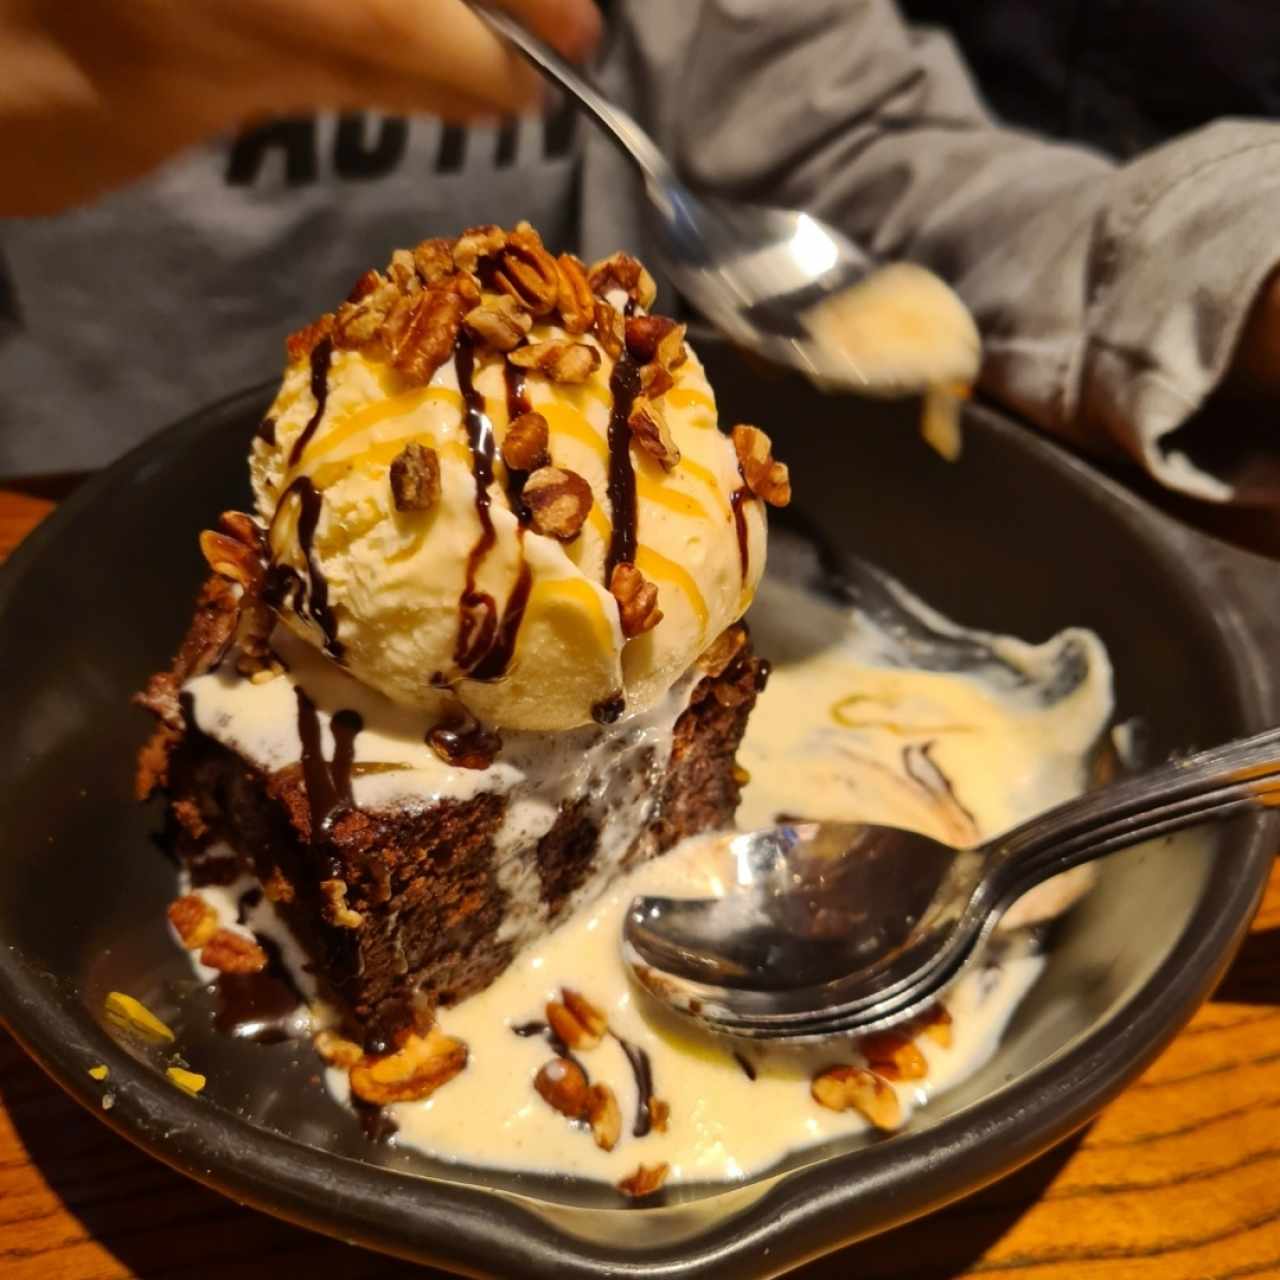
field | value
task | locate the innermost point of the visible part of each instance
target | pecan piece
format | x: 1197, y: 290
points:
x: 477, y: 243
x: 609, y: 328
x: 894, y: 1056
x: 433, y: 260
x: 301, y: 343
x: 360, y: 318
x: 524, y: 447
x: 659, y: 1114
x: 650, y: 431
x: 232, y: 558
x: 715, y: 659
x: 637, y: 600
x: 576, y: 301
x: 403, y: 271
x: 653, y: 337
x: 194, y: 920
x: 338, y: 913
x: 577, y: 1022
x: 420, y: 332
x: 558, y: 360
x: 412, y: 1072
x: 622, y: 271
x: 765, y: 478
x: 528, y: 272
x: 558, y: 502
x: 655, y: 381
x: 502, y: 323
x: 645, y: 1181
x: 337, y: 1050
x: 563, y: 1086
x: 415, y: 478
x: 231, y: 952
x: 856, y: 1089
x: 604, y: 1116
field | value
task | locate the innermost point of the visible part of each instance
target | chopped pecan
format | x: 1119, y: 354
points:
x: 502, y: 323
x: 338, y: 913
x: 715, y: 659
x: 562, y: 1085
x: 659, y: 1114
x: 765, y: 478
x: 655, y: 381
x: 278, y: 887
x: 637, y: 600
x: 465, y: 285
x: 524, y: 447
x: 622, y: 271
x: 609, y: 328
x: 359, y: 320
x: 403, y: 272
x: 433, y: 260
x: 420, y: 332
x: 645, y: 1181
x: 741, y: 775
x: 577, y: 1022
x: 244, y: 528
x: 414, y: 1071
x: 648, y: 336
x: 367, y: 284
x: 604, y: 1116
x: 476, y: 243
x: 337, y: 1050
x: 559, y: 360
x: 894, y: 1056
x: 857, y: 1089
x: 936, y: 1024
x: 301, y: 343
x: 528, y: 272
x: 558, y: 501
x: 649, y: 429
x: 231, y: 952
x: 230, y: 558
x: 194, y: 920
x: 576, y: 301
x: 415, y: 478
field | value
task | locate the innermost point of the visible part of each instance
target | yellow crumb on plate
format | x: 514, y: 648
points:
x: 100, y: 1072
x: 129, y: 1014
x: 188, y: 1081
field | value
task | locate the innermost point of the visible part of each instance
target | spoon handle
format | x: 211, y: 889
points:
x: 618, y: 126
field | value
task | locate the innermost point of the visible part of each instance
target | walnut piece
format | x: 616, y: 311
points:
x: 576, y: 1020
x: 575, y: 300
x: 637, y: 600
x: 231, y: 952
x: 563, y: 1086
x: 558, y: 501
x: 476, y: 243
x: 650, y: 431
x: 765, y: 478
x: 609, y: 328
x: 420, y: 331
x: 502, y: 323
x: 524, y: 447
x: 528, y: 272
x: 622, y: 271
x: 894, y: 1056
x: 715, y: 659
x: 337, y: 1050
x: 857, y: 1089
x: 559, y: 360
x: 415, y: 478
x: 194, y: 920
x: 604, y: 1116
x: 414, y: 1071
x: 645, y: 1181
x: 338, y: 913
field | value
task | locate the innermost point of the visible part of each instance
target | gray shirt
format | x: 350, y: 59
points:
x: 1110, y: 297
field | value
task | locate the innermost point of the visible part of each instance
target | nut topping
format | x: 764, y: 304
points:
x: 558, y: 501
x: 577, y: 1022
x: 650, y: 431
x: 528, y: 272
x: 231, y: 952
x: 420, y: 332
x: 637, y: 600
x: 648, y: 336
x: 622, y: 271
x: 576, y: 301
x: 194, y: 920
x: 659, y: 1114
x: 645, y: 1181
x: 609, y: 328
x: 404, y: 272
x: 433, y: 260
x: 232, y: 559
x: 563, y: 1086
x: 856, y: 1089
x: 604, y: 1116
x: 894, y: 1056
x: 415, y: 478
x: 655, y: 381
x: 414, y: 1071
x: 337, y: 912
x: 524, y: 447
x: 360, y: 318
x: 476, y: 243
x: 765, y: 478
x: 336, y: 1050
x: 301, y: 343
x: 502, y: 323
x: 558, y: 360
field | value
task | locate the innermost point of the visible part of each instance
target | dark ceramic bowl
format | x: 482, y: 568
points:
x: 1017, y: 537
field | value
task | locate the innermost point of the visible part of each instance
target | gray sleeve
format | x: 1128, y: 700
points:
x: 1110, y: 298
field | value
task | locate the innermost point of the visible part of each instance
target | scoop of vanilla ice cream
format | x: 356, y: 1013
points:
x: 394, y: 584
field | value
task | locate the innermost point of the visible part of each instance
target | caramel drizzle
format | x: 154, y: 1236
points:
x: 624, y: 385
x: 321, y: 356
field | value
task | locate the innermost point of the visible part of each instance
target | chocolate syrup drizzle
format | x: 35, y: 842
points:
x: 267, y: 430
x: 643, y: 1072
x: 328, y: 783
x: 736, y: 499
x: 321, y: 356
x: 624, y: 385
x: 495, y: 663
x: 258, y: 1006
x: 607, y: 710
x: 748, y: 1067
x: 285, y: 584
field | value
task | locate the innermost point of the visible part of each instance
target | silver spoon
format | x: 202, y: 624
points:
x: 753, y: 272
x: 841, y: 928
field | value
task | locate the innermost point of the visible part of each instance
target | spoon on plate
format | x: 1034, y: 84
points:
x: 838, y: 928
x: 780, y: 282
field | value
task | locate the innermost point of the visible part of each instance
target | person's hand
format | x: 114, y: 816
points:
x: 97, y: 92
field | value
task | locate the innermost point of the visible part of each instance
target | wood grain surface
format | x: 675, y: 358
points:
x: 1179, y: 1179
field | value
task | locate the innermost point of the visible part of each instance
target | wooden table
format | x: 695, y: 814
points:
x: 1179, y: 1179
